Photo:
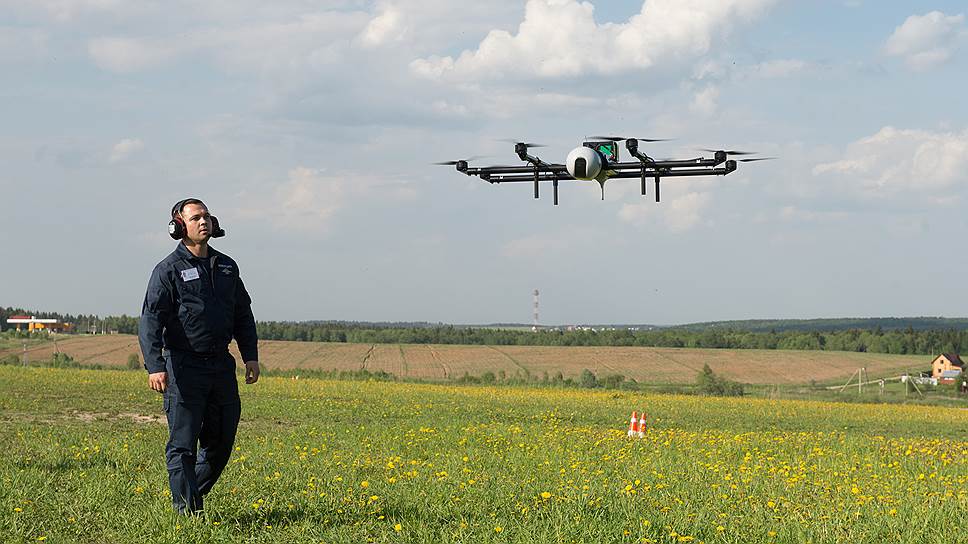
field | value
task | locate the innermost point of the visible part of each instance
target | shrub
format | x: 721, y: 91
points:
x: 134, y: 362
x: 63, y: 360
x: 588, y: 379
x: 711, y: 384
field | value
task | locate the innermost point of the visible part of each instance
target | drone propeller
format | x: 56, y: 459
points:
x: 525, y: 144
x: 730, y: 152
x: 621, y: 138
x: 757, y: 159
x: 453, y: 163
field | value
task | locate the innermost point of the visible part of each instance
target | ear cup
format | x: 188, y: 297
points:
x: 176, y: 228
x: 217, y: 231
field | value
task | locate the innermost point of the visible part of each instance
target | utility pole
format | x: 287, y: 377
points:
x: 25, y: 353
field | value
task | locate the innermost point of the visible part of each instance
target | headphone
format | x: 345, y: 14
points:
x: 176, y: 227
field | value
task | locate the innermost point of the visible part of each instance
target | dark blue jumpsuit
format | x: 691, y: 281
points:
x: 192, y: 310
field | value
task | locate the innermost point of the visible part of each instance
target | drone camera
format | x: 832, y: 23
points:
x: 584, y: 163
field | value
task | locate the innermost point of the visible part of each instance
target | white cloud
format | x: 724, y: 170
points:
x: 129, y: 55
x: 311, y: 199
x: 560, y: 38
x: 679, y: 213
x: 704, y: 102
x: 22, y: 44
x: 894, y: 161
x: 926, y: 41
x: 779, y: 68
x: 125, y: 148
x: 67, y: 10
x: 794, y: 214
x: 308, y: 42
x: 536, y: 246
x: 388, y: 26
x: 308, y: 201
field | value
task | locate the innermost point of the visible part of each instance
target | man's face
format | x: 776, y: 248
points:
x: 198, y: 223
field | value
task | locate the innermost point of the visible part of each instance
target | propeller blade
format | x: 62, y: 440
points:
x: 758, y: 159
x: 730, y: 152
x: 621, y: 138
x: 453, y: 163
x: 528, y: 145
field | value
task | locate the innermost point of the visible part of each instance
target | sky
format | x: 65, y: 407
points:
x: 310, y: 129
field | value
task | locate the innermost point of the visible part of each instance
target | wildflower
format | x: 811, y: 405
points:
x: 498, y: 529
x: 545, y: 495
x: 364, y: 484
x: 398, y: 527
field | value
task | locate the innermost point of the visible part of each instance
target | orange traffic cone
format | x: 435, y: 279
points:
x: 643, y: 427
x: 634, y: 425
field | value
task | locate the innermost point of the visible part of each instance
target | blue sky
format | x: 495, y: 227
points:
x: 309, y: 129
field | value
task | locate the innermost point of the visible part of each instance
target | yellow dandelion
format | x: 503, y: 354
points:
x: 498, y: 529
x: 398, y: 527
x: 545, y: 495
x: 364, y: 484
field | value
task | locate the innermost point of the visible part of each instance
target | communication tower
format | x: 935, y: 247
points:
x: 534, y: 327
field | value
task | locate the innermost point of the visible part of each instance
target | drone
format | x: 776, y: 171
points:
x: 597, y: 159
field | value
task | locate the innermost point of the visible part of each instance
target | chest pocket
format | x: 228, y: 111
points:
x: 224, y: 277
x: 191, y: 292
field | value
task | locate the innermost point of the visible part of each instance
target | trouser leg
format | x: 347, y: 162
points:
x: 184, y: 425
x: 219, y: 425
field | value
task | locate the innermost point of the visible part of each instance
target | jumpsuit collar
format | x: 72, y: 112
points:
x: 182, y: 252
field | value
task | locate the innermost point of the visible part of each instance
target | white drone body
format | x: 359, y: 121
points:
x: 584, y: 163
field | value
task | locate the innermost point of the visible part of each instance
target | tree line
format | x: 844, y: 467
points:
x: 910, y: 340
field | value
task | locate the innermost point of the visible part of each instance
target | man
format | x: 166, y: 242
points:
x: 195, y: 304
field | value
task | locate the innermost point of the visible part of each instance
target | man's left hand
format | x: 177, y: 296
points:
x: 251, y: 371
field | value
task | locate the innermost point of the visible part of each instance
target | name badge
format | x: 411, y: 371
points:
x: 189, y: 274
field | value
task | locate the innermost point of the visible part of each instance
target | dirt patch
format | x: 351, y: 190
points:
x: 143, y: 419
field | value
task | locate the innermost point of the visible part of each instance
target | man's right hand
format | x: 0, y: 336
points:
x: 158, y: 381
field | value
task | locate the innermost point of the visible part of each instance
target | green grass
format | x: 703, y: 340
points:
x: 344, y: 461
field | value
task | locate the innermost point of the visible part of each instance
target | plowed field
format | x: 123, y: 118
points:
x: 431, y: 361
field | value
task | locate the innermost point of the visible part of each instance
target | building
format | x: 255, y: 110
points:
x: 34, y: 324
x: 947, y: 367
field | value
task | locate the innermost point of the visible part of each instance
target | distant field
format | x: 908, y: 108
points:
x: 441, y: 362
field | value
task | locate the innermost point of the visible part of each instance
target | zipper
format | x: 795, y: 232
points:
x: 211, y: 274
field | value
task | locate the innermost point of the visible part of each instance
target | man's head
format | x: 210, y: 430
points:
x: 193, y: 214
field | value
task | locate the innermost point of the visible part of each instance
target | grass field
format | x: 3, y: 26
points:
x: 332, y: 461
x: 441, y: 362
